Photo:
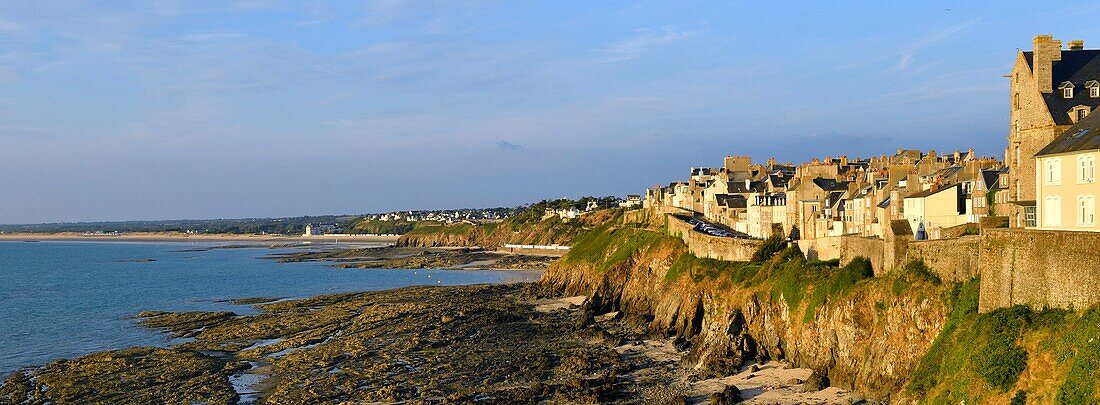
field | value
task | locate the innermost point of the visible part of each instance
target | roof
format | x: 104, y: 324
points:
x: 779, y: 181
x: 1085, y: 135
x: 885, y: 203
x: 1077, y: 67
x: 835, y: 197
x: 739, y: 186
x: 901, y: 227
x: 932, y: 191
x: 991, y: 178
x: 731, y: 200
x: 830, y: 184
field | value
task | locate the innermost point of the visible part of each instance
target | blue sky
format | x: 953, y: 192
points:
x: 163, y: 109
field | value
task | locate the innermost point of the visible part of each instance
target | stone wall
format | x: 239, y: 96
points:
x: 1041, y: 269
x: 954, y: 259
x: 712, y: 247
x: 847, y: 247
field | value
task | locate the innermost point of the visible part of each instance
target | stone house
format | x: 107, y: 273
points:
x: 1067, y: 188
x: 934, y: 209
x: 1051, y: 89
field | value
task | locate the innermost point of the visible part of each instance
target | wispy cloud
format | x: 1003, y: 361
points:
x: 8, y: 74
x: 8, y: 25
x: 509, y: 146
x: 642, y: 41
x: 211, y: 36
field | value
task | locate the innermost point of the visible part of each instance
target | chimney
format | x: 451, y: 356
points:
x: 1047, y: 51
x: 1076, y: 45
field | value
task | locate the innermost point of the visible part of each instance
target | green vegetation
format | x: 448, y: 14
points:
x: 377, y: 226
x: 700, y: 269
x: 277, y: 226
x: 774, y: 244
x: 941, y: 359
x: 1019, y: 399
x: 979, y: 356
x: 1081, y: 345
x: 991, y: 202
x: 914, y: 272
x: 837, y: 283
x: 427, y: 228
x: 607, y: 247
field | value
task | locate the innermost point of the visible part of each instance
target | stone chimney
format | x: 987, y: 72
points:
x: 1076, y: 45
x: 1047, y: 51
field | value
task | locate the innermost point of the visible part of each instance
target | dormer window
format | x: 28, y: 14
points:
x: 1079, y: 113
x: 1094, y: 88
x: 1067, y: 89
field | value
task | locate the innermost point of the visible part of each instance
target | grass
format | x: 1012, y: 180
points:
x: 836, y: 284
x: 607, y: 247
x: 978, y: 357
x: 914, y: 272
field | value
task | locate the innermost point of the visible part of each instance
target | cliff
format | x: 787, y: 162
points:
x: 519, y: 231
x: 903, y: 336
x: 862, y: 332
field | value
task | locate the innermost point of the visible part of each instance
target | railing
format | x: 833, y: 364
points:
x: 540, y: 247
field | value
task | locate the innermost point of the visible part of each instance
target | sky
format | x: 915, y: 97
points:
x: 162, y: 109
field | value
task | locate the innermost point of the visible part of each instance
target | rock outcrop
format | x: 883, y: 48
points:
x: 868, y: 340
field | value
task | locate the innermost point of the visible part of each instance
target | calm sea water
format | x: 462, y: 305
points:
x: 66, y: 299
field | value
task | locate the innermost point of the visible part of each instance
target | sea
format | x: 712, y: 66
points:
x: 66, y: 299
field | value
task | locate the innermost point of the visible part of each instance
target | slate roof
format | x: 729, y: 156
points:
x: 1077, y: 67
x: 739, y: 186
x: 991, y: 178
x: 885, y: 203
x: 931, y: 191
x: 779, y: 181
x: 1085, y: 135
x: 830, y: 184
x: 731, y: 200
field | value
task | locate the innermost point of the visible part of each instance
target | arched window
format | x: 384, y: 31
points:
x: 1086, y: 210
x: 1052, y: 211
x: 1086, y: 169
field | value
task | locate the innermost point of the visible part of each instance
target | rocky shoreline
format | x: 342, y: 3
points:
x: 393, y: 257
x: 469, y: 344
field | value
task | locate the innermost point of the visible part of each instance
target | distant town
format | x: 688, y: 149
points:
x: 1045, y: 180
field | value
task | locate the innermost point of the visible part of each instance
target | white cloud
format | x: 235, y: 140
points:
x: 211, y: 36
x: 642, y: 41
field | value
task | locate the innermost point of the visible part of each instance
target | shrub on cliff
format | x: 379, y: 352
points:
x: 837, y: 284
x: 1000, y: 360
x: 774, y: 244
x: 915, y: 271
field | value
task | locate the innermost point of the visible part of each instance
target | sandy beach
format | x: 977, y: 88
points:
x: 184, y: 237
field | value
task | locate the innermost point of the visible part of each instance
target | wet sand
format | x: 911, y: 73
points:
x: 183, y: 237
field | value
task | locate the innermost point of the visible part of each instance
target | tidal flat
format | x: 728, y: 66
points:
x: 484, y: 344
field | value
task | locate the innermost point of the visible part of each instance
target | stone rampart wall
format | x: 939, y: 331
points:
x: 712, y: 247
x: 1041, y: 269
x: 954, y: 259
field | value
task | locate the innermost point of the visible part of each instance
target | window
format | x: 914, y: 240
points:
x: 1094, y: 91
x: 1067, y: 89
x: 1086, y: 169
x: 1029, y: 216
x: 1054, y: 171
x: 1052, y: 211
x: 1086, y: 210
x: 1016, y: 101
x: 1081, y: 113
